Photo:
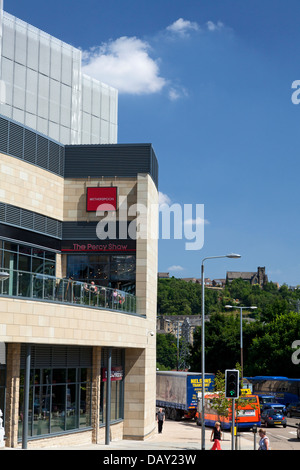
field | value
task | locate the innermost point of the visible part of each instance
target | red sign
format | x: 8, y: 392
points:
x: 116, y: 373
x: 106, y: 197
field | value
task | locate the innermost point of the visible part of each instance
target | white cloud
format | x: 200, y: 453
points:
x: 197, y: 221
x: 183, y: 27
x: 176, y: 92
x: 163, y: 199
x: 124, y: 64
x: 211, y: 26
x: 127, y: 64
x: 175, y: 268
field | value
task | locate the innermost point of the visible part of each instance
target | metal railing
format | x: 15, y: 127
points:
x: 36, y: 286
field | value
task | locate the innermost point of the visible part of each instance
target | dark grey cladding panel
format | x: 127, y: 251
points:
x: 121, y: 160
x: 79, y: 230
x: 21, y: 142
x: 84, y: 230
x: 28, y: 220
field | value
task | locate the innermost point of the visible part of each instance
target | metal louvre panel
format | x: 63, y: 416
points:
x: 51, y: 227
x: 57, y: 356
x: 41, y: 356
x: 54, y: 160
x: 27, y: 219
x: 29, y: 146
x: 16, y: 139
x: 13, y: 215
x: 61, y: 161
x: 116, y: 357
x: 21, y: 142
x: 33, y: 221
x: 2, y: 212
x: 3, y: 135
x: 78, y: 230
x: 121, y: 160
x: 42, y: 152
x: 39, y: 223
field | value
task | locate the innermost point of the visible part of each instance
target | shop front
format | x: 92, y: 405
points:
x: 60, y: 394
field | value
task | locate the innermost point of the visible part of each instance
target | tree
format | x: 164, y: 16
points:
x: 220, y: 403
x: 267, y: 340
x: 166, y: 351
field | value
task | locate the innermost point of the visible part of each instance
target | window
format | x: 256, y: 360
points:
x: 116, y: 271
x: 59, y: 397
x: 117, y: 386
x: 27, y: 259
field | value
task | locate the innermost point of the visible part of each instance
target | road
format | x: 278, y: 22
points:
x: 280, y: 438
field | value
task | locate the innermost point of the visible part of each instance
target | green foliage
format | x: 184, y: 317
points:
x: 267, y: 339
x: 178, y: 297
x: 166, y: 351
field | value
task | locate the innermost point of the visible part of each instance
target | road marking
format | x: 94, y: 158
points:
x: 282, y: 437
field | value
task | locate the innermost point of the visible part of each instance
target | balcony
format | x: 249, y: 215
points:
x: 42, y: 287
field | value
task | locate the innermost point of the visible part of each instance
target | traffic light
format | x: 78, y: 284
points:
x: 232, y: 386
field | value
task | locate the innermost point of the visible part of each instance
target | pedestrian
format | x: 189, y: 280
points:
x: 216, y: 436
x: 264, y: 443
x: 160, y: 417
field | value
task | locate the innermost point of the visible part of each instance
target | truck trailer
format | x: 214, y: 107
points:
x: 177, y: 392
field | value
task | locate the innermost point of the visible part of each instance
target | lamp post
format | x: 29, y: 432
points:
x: 241, y: 330
x: 232, y: 255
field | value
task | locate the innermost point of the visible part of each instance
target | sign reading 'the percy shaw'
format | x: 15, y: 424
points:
x: 106, y: 246
x: 106, y: 197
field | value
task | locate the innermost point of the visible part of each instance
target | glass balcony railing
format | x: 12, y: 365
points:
x: 36, y: 286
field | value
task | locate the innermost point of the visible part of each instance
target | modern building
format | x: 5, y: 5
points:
x: 78, y: 283
x: 43, y: 87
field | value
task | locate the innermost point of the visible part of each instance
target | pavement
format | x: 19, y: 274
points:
x: 176, y: 436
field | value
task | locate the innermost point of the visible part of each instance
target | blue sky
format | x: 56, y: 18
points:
x: 209, y: 84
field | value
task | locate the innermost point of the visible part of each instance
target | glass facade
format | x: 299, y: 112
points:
x: 24, y: 258
x: 60, y: 394
x: 117, y: 386
x: 116, y: 271
x: 45, y: 89
x: 59, y: 400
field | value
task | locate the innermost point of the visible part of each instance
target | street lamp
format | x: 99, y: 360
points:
x: 231, y: 255
x: 241, y: 329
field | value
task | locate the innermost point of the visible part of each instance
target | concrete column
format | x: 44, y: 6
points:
x: 12, y: 393
x: 96, y: 382
x: 139, y: 399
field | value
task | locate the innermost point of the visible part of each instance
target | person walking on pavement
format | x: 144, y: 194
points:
x: 216, y: 436
x: 160, y: 417
x: 264, y: 443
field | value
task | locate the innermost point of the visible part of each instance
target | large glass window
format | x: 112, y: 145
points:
x: 24, y: 258
x: 116, y: 271
x: 117, y: 386
x: 59, y: 400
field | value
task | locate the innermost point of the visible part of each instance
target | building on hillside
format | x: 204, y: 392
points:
x: 253, y: 278
x: 173, y: 324
x: 163, y: 275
